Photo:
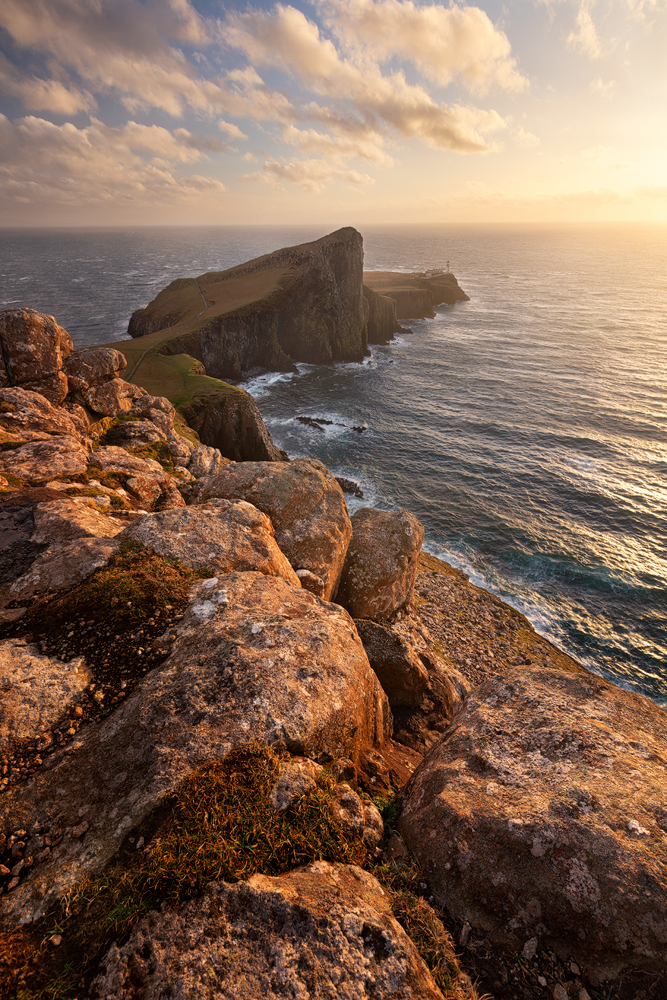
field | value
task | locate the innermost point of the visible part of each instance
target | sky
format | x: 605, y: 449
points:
x: 152, y: 112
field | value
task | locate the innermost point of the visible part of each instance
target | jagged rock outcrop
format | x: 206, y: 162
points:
x: 307, y: 508
x: 230, y: 421
x: 416, y: 295
x: 32, y: 350
x: 325, y: 931
x: 541, y: 815
x: 381, y: 563
x: 301, y: 303
x: 253, y: 660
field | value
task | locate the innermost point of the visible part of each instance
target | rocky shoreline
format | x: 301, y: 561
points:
x: 252, y: 746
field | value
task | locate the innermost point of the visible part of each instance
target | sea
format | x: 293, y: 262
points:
x: 526, y: 428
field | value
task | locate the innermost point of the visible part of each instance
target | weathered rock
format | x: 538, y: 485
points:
x: 315, y: 584
x: 306, y: 506
x: 69, y: 518
x: 35, y: 690
x: 25, y: 411
x: 205, y: 461
x: 295, y: 776
x: 91, y: 365
x: 146, y: 489
x: 220, y: 535
x: 32, y: 349
x: 325, y: 931
x: 78, y: 415
x: 254, y: 660
x: 157, y: 409
x: 62, y: 566
x: 134, y: 433
x: 40, y: 461
x: 350, y: 810
x: 381, y: 563
x: 381, y: 321
x: 542, y: 813
x: 111, y: 398
x: 112, y: 459
x: 180, y: 449
x: 230, y: 421
x: 403, y: 676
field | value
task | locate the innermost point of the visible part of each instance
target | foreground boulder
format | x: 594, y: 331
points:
x: 306, y: 506
x: 254, y: 660
x: 542, y: 815
x: 381, y: 563
x: 33, y: 350
x: 220, y: 536
x: 39, y: 461
x: 325, y: 931
x: 30, y: 416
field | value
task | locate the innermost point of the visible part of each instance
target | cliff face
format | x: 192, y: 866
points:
x: 301, y: 303
x: 416, y: 295
x: 381, y: 320
x: 231, y: 422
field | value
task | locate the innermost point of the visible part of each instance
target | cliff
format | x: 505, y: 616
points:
x: 301, y: 303
x: 416, y: 295
x: 381, y: 319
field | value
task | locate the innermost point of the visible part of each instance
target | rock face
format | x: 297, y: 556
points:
x: 27, y: 414
x: 325, y: 931
x: 306, y: 506
x: 416, y: 295
x: 254, y: 660
x: 301, y: 303
x: 36, y: 690
x: 220, y: 535
x: 381, y: 319
x: 92, y: 365
x: 39, y: 461
x: 32, y: 350
x: 403, y: 676
x: 542, y: 814
x: 381, y: 563
x: 231, y: 422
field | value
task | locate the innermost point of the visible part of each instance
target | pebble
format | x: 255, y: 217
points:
x: 56, y: 940
x: 574, y: 969
x: 560, y: 993
x: 541, y: 980
x: 530, y: 948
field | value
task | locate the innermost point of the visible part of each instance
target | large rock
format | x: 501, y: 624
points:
x: 70, y: 518
x: 24, y: 412
x: 204, y: 461
x: 112, y: 398
x: 220, y: 536
x: 325, y: 931
x: 113, y: 459
x: 254, y: 660
x: 17, y: 524
x: 306, y: 506
x: 381, y: 564
x: 230, y: 421
x: 403, y: 676
x: 36, y: 690
x: 33, y: 348
x: 61, y: 566
x: 157, y: 409
x: 39, y: 461
x: 91, y: 365
x: 134, y: 434
x: 542, y: 814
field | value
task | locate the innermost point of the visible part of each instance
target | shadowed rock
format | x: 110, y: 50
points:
x: 541, y: 814
x: 325, y: 931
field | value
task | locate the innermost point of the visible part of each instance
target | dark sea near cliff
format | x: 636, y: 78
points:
x: 527, y: 428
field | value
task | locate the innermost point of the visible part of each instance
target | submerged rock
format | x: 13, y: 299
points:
x: 324, y: 931
x: 306, y: 506
x: 381, y: 563
x: 542, y: 814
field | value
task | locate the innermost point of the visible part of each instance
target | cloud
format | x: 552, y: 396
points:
x: 368, y: 147
x: 311, y: 175
x: 526, y: 139
x: 286, y: 39
x: 43, y: 95
x: 232, y: 130
x: 62, y: 164
x: 586, y: 39
x: 605, y: 156
x: 651, y: 191
x: 445, y: 43
x: 605, y: 88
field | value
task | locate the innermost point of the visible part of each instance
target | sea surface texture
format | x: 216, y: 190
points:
x: 526, y: 428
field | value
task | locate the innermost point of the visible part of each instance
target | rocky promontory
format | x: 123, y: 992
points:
x: 254, y: 747
x: 416, y: 294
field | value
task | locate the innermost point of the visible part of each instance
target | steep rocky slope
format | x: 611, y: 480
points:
x: 416, y: 295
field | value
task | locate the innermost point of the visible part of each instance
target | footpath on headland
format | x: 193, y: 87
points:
x: 252, y: 746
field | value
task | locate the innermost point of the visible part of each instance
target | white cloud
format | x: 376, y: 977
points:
x: 43, y: 95
x: 445, y: 43
x: 233, y: 130
x: 605, y: 88
x: 286, y: 39
x: 586, y: 39
x: 605, y: 156
x: 311, y: 175
x: 526, y: 139
x: 43, y: 162
x: 368, y: 147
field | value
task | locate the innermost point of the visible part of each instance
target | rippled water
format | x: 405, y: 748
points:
x: 527, y: 428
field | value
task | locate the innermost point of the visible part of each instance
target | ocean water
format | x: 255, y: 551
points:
x: 526, y: 428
